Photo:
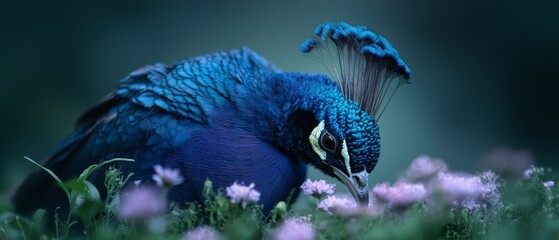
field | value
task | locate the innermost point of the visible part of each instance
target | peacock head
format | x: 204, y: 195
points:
x: 346, y: 144
x: 344, y: 139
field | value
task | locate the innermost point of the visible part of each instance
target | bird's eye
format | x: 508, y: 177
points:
x: 328, y: 142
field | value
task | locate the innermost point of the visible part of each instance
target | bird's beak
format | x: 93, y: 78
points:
x: 357, y: 184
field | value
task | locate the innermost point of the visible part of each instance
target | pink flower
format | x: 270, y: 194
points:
x: 294, y: 229
x: 141, y: 203
x: 338, y: 203
x: 202, y: 233
x: 459, y: 187
x: 468, y: 191
x: 424, y: 168
x: 549, y: 184
x: 401, y: 195
x: 375, y: 208
x: 318, y: 188
x: 242, y: 194
x: 166, y: 177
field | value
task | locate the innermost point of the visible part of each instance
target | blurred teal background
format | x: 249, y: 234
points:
x: 484, y: 72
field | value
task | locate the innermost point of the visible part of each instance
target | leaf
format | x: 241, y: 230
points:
x: 89, y: 204
x: 58, y: 181
x: 114, y: 203
x: 88, y: 171
x: 208, y: 190
x: 76, y: 186
x: 39, y: 217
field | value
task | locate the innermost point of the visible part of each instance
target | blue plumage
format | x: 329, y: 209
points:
x: 232, y: 116
x: 367, y: 63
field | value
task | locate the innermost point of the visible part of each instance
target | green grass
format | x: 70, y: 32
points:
x: 528, y: 211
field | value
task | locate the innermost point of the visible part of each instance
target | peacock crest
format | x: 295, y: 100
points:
x: 366, y: 68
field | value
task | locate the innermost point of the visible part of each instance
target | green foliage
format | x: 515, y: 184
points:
x: 83, y: 197
x: 278, y: 213
x: 237, y: 222
x: 529, y: 210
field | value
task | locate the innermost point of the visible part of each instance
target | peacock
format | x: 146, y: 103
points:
x: 233, y: 116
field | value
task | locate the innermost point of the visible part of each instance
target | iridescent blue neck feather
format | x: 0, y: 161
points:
x: 288, y: 106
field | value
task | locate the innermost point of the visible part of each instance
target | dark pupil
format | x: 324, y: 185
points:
x: 328, y: 142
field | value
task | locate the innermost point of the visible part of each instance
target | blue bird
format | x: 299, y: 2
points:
x: 233, y: 116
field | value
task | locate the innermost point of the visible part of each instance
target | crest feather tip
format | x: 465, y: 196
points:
x: 367, y: 63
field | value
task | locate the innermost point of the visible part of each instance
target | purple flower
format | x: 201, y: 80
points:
x: 166, y: 177
x: 242, y: 194
x: 338, y: 203
x: 424, y: 168
x: 141, y: 203
x: 469, y: 191
x: 549, y: 184
x: 318, y: 188
x: 529, y: 172
x: 202, y: 233
x: 489, y: 189
x: 294, y: 229
x: 459, y: 187
x: 401, y: 195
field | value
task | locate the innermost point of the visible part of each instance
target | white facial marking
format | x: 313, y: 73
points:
x: 313, y: 138
x: 345, y: 154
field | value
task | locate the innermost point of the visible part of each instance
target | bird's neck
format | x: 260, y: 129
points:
x: 291, y: 106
